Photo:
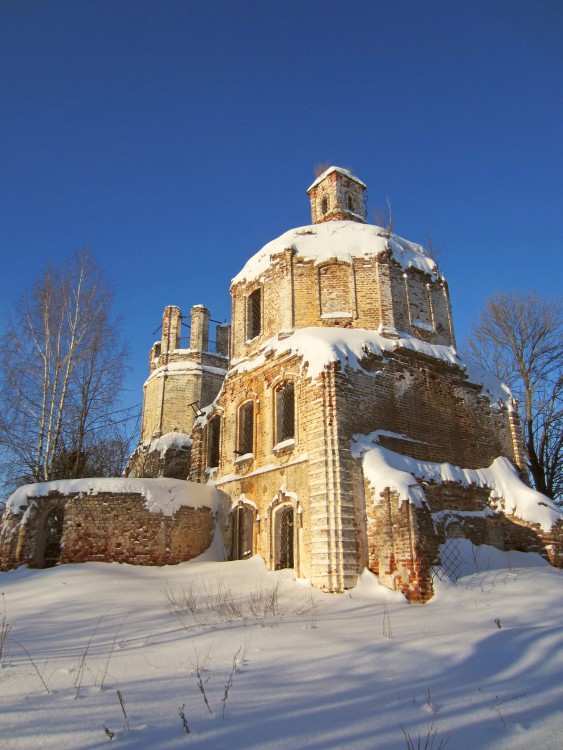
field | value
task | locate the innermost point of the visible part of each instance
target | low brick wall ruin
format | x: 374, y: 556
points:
x: 404, y: 540
x: 105, y: 527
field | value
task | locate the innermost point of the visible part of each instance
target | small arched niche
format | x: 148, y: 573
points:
x: 336, y: 291
x: 52, y: 533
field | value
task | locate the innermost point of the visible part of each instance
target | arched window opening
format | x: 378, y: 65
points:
x: 350, y: 203
x: 254, y: 314
x: 284, y: 521
x: 285, y: 412
x: 242, y: 533
x: 214, y: 441
x: 53, y: 530
x: 246, y: 429
x: 324, y: 205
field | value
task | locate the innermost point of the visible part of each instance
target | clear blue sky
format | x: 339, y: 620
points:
x: 175, y: 138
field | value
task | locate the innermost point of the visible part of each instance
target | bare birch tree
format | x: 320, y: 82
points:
x: 62, y: 364
x: 519, y: 337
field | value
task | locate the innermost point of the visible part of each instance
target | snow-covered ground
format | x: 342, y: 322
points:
x: 281, y: 665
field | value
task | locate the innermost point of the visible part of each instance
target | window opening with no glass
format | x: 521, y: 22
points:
x: 253, y: 314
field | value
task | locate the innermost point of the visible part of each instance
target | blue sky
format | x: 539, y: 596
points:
x: 175, y: 138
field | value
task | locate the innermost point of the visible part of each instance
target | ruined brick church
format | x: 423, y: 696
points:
x: 334, y: 414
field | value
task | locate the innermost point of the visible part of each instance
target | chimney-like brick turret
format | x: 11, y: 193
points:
x: 336, y: 195
x: 171, y: 324
x: 199, y: 337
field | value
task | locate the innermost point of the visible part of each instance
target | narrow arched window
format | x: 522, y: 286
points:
x: 284, y: 537
x: 254, y: 314
x: 214, y: 441
x: 242, y: 533
x: 285, y: 412
x: 350, y: 203
x: 324, y: 205
x: 246, y: 429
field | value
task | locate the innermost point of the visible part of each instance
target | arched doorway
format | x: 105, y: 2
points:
x: 242, y: 533
x: 284, y: 530
x: 52, y: 534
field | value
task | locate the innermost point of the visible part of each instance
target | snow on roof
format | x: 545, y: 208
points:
x: 343, y: 240
x: 496, y: 390
x: 161, y: 495
x: 184, y: 366
x: 167, y: 441
x: 384, y: 468
x: 340, y: 170
x: 321, y: 346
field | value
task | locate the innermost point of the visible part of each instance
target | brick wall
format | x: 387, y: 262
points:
x: 373, y: 293
x: 107, y: 527
x: 403, y: 541
x: 429, y: 401
x: 432, y: 403
x: 295, y: 474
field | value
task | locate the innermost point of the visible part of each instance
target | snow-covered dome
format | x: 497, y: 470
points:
x: 341, y: 240
x: 339, y: 273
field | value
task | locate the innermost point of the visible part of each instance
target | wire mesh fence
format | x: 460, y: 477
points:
x: 450, y: 564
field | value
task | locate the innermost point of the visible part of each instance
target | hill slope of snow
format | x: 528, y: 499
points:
x: 281, y: 665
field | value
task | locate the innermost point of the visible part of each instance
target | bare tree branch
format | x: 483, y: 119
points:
x: 384, y: 219
x: 519, y: 337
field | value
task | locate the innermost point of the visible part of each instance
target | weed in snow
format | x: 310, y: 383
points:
x: 429, y: 701
x: 264, y: 602
x: 229, y: 684
x: 104, y: 675
x: 387, y: 629
x: 124, y: 712
x: 5, y: 628
x: 216, y: 604
x: 199, y: 667
x: 109, y: 733
x: 425, y: 742
x: 33, y: 664
x: 181, y: 602
x: 183, y: 716
x: 219, y: 599
x: 80, y: 673
x: 215, y: 601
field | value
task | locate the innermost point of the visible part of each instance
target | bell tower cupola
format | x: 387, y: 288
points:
x: 336, y: 195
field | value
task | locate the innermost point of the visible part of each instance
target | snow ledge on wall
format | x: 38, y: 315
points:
x: 386, y: 469
x: 161, y: 495
x: 177, y: 440
x: 320, y: 347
